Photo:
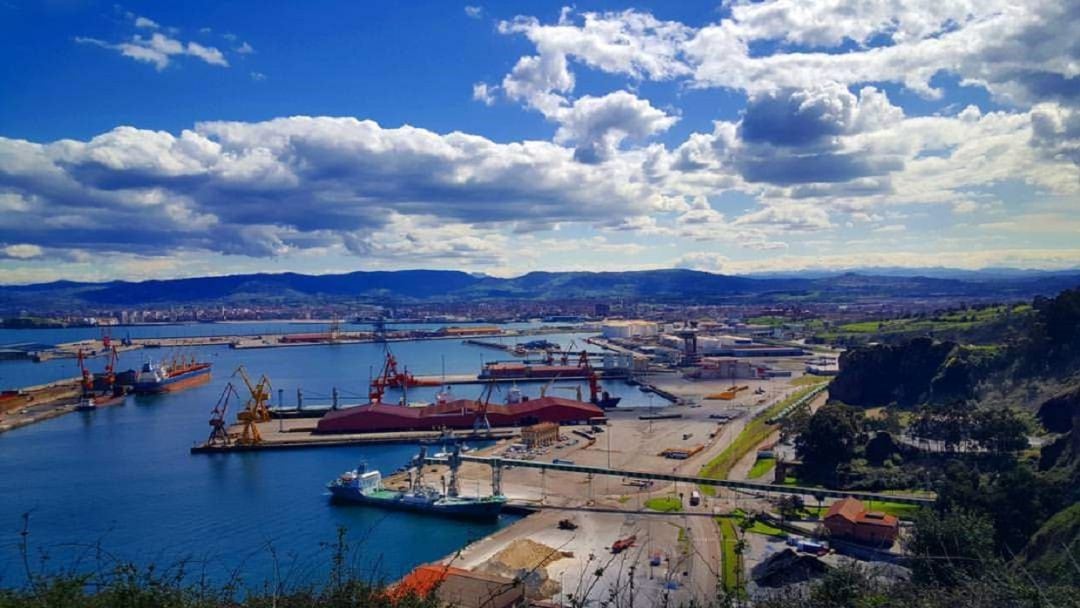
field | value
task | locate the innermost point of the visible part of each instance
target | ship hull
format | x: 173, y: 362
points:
x: 609, y: 403
x: 100, y: 402
x: 489, y: 509
x: 175, y: 383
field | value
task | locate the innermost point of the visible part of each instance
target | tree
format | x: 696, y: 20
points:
x: 880, y: 448
x: 950, y: 423
x: 999, y: 430
x: 795, y: 422
x: 829, y: 438
x: 790, y: 507
x: 950, y: 548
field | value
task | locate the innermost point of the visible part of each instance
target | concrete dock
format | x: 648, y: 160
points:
x: 298, y: 434
x: 36, y: 403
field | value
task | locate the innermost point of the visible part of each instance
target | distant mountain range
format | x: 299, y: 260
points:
x: 405, y: 286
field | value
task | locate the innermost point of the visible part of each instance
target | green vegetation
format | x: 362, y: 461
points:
x: 1004, y: 529
x: 808, y: 379
x: 730, y: 555
x: 1051, y: 551
x: 943, y: 323
x: 761, y: 467
x: 767, y: 320
x: 760, y: 527
x: 129, y: 588
x: 858, y: 586
x: 664, y: 504
x: 900, y: 510
x: 756, y: 431
x: 125, y: 586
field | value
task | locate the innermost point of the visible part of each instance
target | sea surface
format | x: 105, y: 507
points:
x: 119, y: 484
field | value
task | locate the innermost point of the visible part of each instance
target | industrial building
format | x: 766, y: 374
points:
x: 728, y: 346
x: 629, y: 329
x: 540, y: 435
x: 849, y: 519
x: 459, y: 414
x: 823, y: 367
x: 470, y: 330
x: 723, y: 367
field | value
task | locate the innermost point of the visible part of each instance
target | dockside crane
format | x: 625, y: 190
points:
x: 481, y: 422
x: 110, y: 371
x: 256, y: 409
x: 258, y: 404
x: 87, y: 378
x: 219, y: 429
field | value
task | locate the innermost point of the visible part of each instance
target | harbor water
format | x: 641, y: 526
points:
x: 91, y: 488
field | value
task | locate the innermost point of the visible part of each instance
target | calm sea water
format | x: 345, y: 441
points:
x: 122, y: 480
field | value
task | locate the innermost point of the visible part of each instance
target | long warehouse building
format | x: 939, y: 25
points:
x: 459, y: 414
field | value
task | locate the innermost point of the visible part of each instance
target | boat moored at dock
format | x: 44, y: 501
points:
x: 167, y: 377
x: 365, y: 487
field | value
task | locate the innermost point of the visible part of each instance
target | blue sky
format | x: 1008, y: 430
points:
x: 171, y: 139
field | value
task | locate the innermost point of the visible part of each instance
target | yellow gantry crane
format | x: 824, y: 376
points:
x: 256, y: 409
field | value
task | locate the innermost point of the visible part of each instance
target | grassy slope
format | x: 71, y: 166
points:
x: 900, y: 510
x: 1051, y: 551
x: 664, y: 504
x: 755, y: 432
x: 761, y: 467
x: 729, y: 559
x: 945, y: 322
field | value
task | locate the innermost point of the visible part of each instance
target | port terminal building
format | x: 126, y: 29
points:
x: 459, y: 414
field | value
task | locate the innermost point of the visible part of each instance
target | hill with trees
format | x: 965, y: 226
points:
x: 958, y: 419
x: 403, y: 286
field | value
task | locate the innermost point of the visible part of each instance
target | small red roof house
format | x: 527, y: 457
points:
x: 460, y: 587
x: 850, y: 520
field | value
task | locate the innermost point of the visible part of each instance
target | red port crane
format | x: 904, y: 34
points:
x: 87, y: 379
x: 390, y: 377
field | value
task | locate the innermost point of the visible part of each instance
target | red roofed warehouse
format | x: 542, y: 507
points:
x: 460, y: 414
x: 848, y: 519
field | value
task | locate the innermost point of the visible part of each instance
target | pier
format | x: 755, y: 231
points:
x: 303, y: 438
x: 37, y: 403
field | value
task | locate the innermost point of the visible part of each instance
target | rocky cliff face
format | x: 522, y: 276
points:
x: 914, y: 372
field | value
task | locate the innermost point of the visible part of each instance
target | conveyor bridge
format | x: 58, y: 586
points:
x: 497, y: 464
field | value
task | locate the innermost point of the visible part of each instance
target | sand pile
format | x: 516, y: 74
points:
x: 527, y: 560
x: 528, y: 554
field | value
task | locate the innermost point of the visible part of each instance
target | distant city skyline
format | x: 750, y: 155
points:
x: 145, y: 140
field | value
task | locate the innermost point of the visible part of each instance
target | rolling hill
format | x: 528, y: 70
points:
x: 403, y: 286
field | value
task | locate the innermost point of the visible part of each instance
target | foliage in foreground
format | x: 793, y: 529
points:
x: 128, y: 586
x: 857, y: 586
x: 131, y: 588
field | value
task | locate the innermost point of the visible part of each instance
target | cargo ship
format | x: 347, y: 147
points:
x: 164, y: 378
x: 513, y: 370
x: 365, y: 487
